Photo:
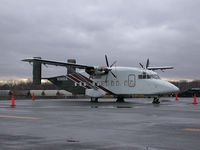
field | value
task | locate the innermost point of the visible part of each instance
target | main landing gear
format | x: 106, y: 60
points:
x: 94, y: 100
x: 156, y: 100
x: 120, y: 99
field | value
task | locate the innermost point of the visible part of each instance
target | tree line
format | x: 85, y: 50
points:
x: 26, y: 85
x: 183, y: 85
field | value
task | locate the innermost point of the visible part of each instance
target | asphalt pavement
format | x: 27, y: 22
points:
x: 75, y: 124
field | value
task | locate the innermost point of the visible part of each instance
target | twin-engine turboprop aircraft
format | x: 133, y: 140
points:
x: 122, y: 82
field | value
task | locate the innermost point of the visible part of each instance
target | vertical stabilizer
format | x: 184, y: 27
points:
x: 71, y: 69
x: 37, y: 72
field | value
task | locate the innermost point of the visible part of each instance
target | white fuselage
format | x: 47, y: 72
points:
x: 129, y: 81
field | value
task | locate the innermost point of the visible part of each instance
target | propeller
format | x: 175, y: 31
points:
x: 141, y: 65
x: 108, y: 69
x: 147, y: 64
x: 113, y: 63
x: 106, y: 60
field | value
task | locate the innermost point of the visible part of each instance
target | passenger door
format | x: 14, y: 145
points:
x: 131, y: 80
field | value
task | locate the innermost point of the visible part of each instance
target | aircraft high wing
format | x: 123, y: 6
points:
x: 160, y: 68
x: 155, y: 68
x: 91, y: 70
x: 56, y: 63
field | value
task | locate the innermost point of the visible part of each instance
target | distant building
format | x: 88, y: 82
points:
x: 190, y: 92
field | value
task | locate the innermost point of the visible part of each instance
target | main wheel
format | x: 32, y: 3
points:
x: 94, y: 99
x: 120, y: 99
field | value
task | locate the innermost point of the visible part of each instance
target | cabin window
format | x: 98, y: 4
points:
x: 117, y: 83
x: 112, y: 83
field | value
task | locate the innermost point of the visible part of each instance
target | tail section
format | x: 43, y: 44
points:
x: 66, y: 84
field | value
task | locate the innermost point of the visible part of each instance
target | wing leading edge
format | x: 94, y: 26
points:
x: 160, y: 68
x: 56, y: 63
x: 80, y: 66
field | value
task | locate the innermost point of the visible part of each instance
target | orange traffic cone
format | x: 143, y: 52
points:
x: 195, y: 99
x: 176, y: 96
x: 33, y: 97
x: 13, y: 101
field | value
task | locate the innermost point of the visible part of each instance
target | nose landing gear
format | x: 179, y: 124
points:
x: 156, y: 100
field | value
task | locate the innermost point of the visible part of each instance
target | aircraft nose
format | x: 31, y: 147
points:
x: 176, y: 89
x: 173, y: 88
x: 168, y: 88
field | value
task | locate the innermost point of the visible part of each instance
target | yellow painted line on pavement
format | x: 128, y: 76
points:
x: 191, y: 129
x: 19, y: 117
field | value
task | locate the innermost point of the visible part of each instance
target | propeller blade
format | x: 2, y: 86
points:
x: 106, y: 61
x: 147, y: 65
x: 113, y: 63
x: 113, y: 74
x: 141, y: 65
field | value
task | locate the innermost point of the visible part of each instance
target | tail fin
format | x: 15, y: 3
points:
x: 65, y: 84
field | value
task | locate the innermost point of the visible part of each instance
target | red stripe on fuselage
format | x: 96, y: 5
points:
x: 82, y: 82
x: 77, y: 80
x: 86, y: 78
x: 70, y: 76
x: 99, y: 86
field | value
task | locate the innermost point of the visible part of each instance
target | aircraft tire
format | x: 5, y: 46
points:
x: 120, y: 100
x: 156, y: 100
x: 94, y: 100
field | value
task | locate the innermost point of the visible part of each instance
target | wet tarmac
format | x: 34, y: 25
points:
x: 72, y: 124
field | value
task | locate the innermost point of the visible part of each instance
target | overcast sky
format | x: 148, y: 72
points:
x: 129, y: 31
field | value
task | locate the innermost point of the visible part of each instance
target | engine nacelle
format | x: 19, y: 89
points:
x: 95, y: 93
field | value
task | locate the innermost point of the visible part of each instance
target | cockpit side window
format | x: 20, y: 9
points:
x: 155, y: 76
x: 148, y: 76
x: 144, y: 75
x: 140, y: 76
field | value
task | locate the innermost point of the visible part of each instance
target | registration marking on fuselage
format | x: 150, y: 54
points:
x: 19, y: 117
x: 192, y: 129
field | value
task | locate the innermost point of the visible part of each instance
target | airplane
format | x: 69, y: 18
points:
x: 121, y: 82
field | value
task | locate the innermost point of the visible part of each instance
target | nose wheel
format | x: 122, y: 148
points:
x: 156, y: 100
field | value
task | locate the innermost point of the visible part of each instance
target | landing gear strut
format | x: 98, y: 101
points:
x: 156, y: 100
x: 94, y: 100
x: 120, y: 99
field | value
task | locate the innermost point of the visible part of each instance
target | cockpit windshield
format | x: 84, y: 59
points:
x: 155, y: 76
x: 145, y: 75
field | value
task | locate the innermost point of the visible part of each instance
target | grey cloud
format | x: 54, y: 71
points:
x: 129, y: 31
